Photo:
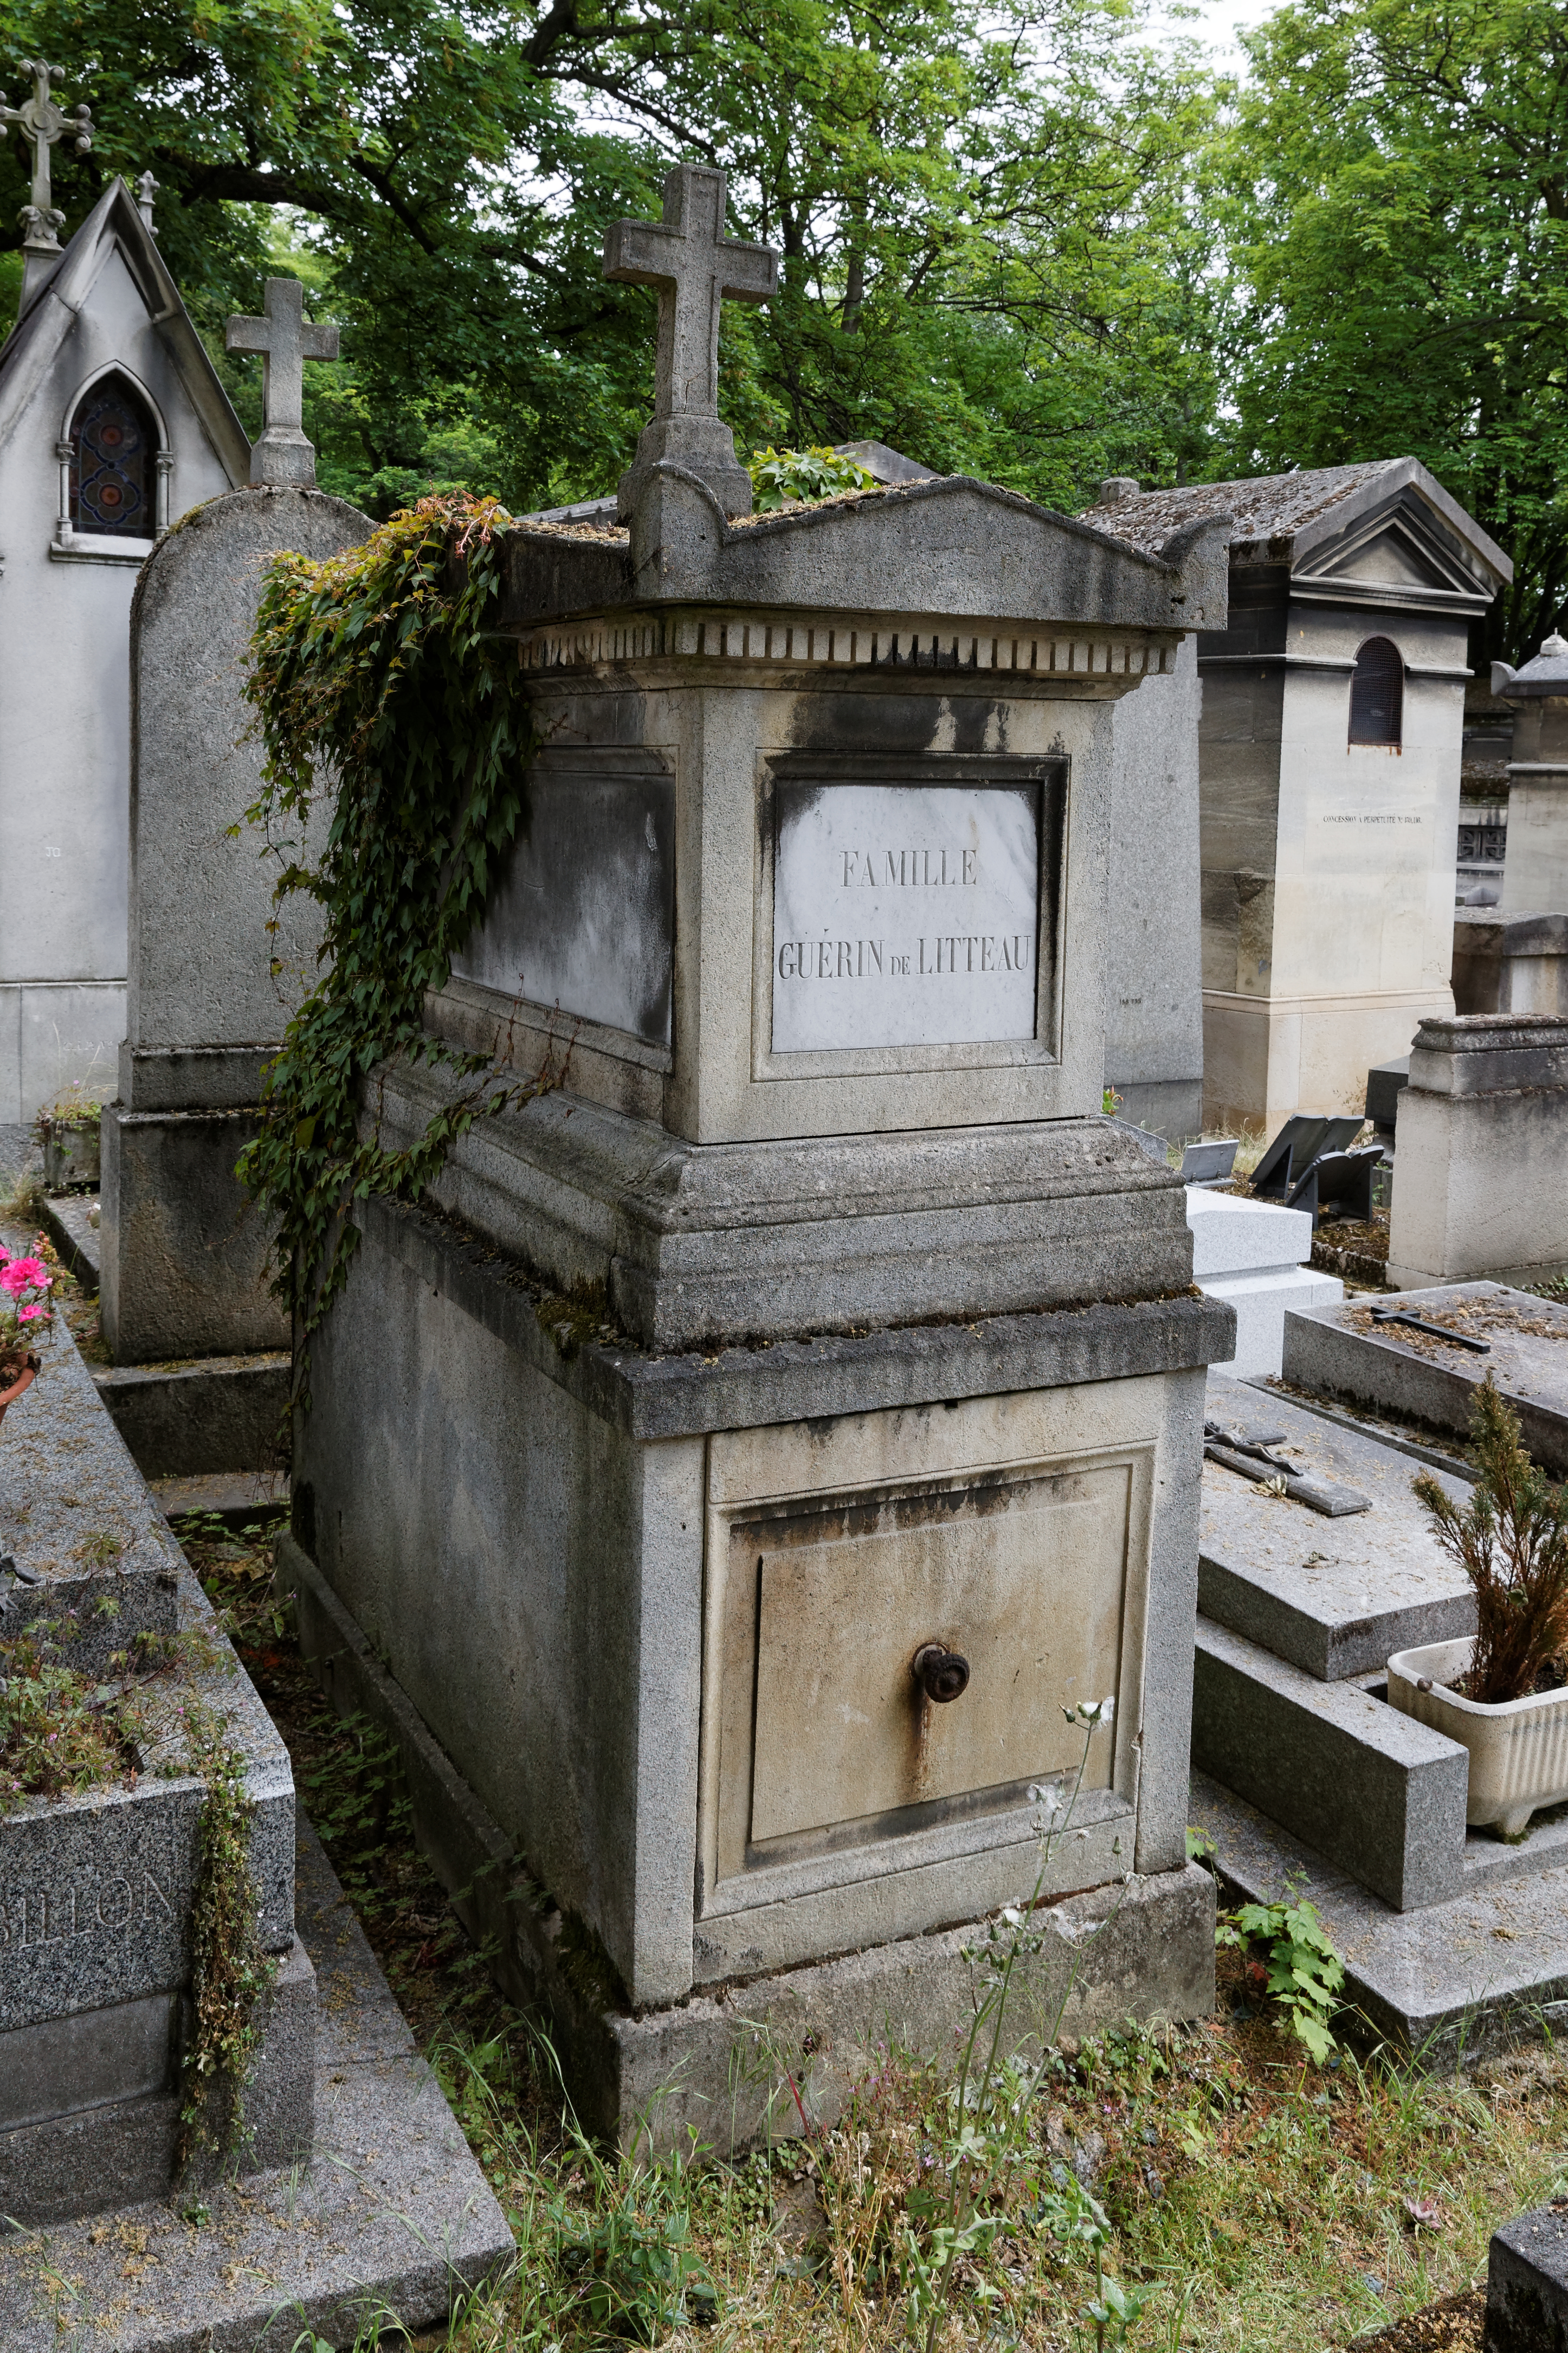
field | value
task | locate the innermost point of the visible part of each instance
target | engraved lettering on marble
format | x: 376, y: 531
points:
x: 905, y: 916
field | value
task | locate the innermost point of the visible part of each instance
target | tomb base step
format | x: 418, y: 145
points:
x: 109, y: 2151
x: 185, y: 1420
x: 393, y: 2213
x: 1449, y: 1984
x: 1141, y: 1952
x: 236, y: 1497
x: 66, y: 1220
x: 1142, y: 1948
x: 1383, y: 1798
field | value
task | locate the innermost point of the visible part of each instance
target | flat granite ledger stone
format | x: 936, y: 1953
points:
x: 1342, y: 1352
x: 1334, y: 1598
x: 390, y: 2213
x: 97, y: 1888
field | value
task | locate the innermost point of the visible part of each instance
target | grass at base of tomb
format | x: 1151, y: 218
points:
x: 1262, y: 2199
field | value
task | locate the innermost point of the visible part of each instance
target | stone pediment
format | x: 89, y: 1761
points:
x: 950, y: 548
x: 1404, y: 553
x: 114, y: 226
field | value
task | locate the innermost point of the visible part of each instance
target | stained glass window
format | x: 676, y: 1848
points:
x: 1377, y: 693
x: 113, y: 446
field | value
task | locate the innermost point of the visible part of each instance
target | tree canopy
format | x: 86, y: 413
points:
x: 1039, y: 246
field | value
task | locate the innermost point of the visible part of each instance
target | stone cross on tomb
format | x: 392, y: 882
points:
x: 286, y: 340
x: 695, y: 266
x: 42, y: 123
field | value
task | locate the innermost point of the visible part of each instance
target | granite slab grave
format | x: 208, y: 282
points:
x: 1347, y: 1352
x: 1447, y: 1984
x: 1334, y: 1597
x: 97, y: 1887
x: 1307, y: 1581
x: 390, y: 2218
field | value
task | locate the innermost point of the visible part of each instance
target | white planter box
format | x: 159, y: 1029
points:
x: 1518, y: 1751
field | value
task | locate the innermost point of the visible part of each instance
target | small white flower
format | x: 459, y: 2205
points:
x: 1097, y: 1712
x: 1012, y: 1916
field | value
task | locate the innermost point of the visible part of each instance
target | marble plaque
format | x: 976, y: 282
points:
x: 582, y: 917
x: 904, y: 914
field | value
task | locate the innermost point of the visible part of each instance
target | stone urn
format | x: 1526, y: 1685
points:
x: 12, y: 1385
x: 1519, y: 1747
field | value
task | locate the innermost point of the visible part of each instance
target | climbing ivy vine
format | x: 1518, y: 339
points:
x: 382, y: 691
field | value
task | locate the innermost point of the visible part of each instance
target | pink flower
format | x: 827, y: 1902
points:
x: 26, y: 1314
x: 24, y: 1273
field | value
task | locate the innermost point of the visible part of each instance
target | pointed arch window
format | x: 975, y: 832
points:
x: 113, y: 463
x: 1377, y: 694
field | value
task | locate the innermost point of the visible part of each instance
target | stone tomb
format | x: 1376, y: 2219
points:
x: 813, y: 1320
x: 184, y: 1260
x: 352, y: 2189
x: 96, y: 1890
x: 1483, y: 1142
x: 1308, y: 1782
x: 1330, y: 748
x: 1417, y: 1375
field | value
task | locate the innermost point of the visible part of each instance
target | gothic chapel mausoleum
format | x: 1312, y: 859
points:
x: 112, y: 423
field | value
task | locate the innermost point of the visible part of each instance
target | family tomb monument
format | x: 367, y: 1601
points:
x: 1329, y: 750
x: 112, y: 421
x: 725, y: 1482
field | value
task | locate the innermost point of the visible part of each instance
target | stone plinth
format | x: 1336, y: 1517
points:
x: 1527, y: 2283
x: 183, y: 1254
x: 1483, y: 1142
x: 1511, y: 963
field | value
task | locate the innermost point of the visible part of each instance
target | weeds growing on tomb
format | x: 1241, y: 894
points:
x: 1511, y: 1540
x: 382, y: 692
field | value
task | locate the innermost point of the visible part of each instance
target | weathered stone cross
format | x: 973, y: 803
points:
x: 696, y: 268
x: 286, y: 340
x: 42, y: 123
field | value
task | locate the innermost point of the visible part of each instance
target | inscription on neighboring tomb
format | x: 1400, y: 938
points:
x: 905, y: 914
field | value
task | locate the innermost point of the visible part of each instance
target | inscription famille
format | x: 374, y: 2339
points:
x: 48, y: 1917
x: 950, y: 952
x: 904, y: 914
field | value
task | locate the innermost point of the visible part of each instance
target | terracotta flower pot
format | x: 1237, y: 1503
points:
x: 1519, y: 1749
x: 23, y: 1380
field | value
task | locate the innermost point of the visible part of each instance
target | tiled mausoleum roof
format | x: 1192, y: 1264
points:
x: 1268, y: 512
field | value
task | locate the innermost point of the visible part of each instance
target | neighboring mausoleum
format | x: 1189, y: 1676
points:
x: 1329, y: 752
x: 727, y: 1481
x: 112, y: 422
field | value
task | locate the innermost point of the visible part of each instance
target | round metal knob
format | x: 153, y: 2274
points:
x: 941, y: 1674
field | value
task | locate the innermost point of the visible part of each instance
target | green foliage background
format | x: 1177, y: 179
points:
x: 1041, y: 244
